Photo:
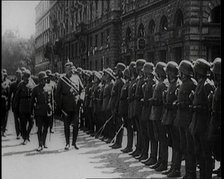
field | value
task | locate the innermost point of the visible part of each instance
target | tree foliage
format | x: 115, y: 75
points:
x: 17, y: 51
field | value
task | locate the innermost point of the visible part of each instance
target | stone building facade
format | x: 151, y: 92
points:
x: 164, y: 30
x: 99, y: 33
x: 42, y: 36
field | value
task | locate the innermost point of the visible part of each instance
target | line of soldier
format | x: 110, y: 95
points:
x: 166, y: 105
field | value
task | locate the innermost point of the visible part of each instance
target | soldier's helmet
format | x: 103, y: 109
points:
x: 140, y: 63
x: 79, y: 70
x: 120, y: 66
x: 148, y: 68
x: 110, y: 72
x: 42, y: 75
x: 160, y: 69
x: 68, y: 64
x: 97, y: 75
x: 201, y: 67
x: 186, y: 67
x: 4, y: 72
x: 27, y: 73
x: 216, y: 66
x: 127, y: 72
x: 23, y: 69
x: 18, y: 71
x: 172, y: 67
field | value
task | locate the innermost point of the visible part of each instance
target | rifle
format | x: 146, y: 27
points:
x: 113, y: 140
x: 104, y: 125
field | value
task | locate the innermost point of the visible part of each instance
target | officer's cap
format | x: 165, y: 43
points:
x: 201, y: 66
x: 172, y: 67
x: 160, y: 68
x: 148, y: 67
x: 216, y: 66
x: 42, y: 75
x: 140, y: 62
x: 120, y: 66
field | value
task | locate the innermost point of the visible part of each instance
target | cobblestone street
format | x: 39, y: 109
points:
x: 94, y: 159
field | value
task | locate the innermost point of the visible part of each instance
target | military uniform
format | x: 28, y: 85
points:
x: 67, y: 99
x: 42, y: 98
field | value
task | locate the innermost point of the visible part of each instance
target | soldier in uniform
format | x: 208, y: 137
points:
x: 22, y: 106
x: 156, y: 116
x: 68, y: 90
x: 107, y: 131
x: 114, y: 104
x: 13, y: 89
x: 5, y: 100
x: 215, y: 123
x: 184, y: 116
x: 145, y: 126
x: 170, y: 99
x: 123, y: 106
x: 138, y: 107
x: 41, y: 97
x: 201, y: 116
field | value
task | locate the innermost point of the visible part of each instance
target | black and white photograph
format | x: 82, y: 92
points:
x: 95, y: 89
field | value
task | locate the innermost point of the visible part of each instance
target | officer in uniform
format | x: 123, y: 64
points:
x: 123, y: 106
x: 68, y: 90
x: 13, y: 89
x: 156, y: 116
x: 170, y: 99
x: 41, y: 97
x: 215, y: 123
x: 114, y: 104
x: 184, y: 116
x: 138, y: 107
x: 22, y: 105
x: 108, y: 130
x: 5, y: 101
x: 201, y: 116
x: 145, y: 126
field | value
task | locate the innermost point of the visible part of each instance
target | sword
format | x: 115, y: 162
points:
x: 104, y: 125
x: 117, y: 133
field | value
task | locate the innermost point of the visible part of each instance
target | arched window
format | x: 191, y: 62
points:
x: 178, y: 19
x: 141, y: 30
x: 128, y: 34
x: 163, y: 24
x: 215, y: 15
x: 151, y: 27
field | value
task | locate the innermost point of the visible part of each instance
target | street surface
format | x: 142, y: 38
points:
x: 94, y: 159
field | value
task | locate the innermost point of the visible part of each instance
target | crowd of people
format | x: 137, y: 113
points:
x: 165, y: 105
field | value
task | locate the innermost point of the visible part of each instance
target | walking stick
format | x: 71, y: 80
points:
x: 103, y: 127
x: 117, y: 133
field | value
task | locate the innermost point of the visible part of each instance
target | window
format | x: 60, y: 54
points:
x: 96, y: 40
x: 215, y: 16
x: 128, y: 34
x: 141, y: 30
x: 108, y: 35
x: 178, y: 19
x: 151, y: 27
x: 102, y: 39
x: 163, y: 24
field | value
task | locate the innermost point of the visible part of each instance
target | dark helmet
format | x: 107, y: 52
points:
x: 42, y: 75
x: 120, y: 66
x: 201, y: 66
x: 216, y: 66
x: 127, y: 72
x: 140, y: 63
x: 186, y: 67
x: 27, y: 73
x: 148, y: 67
x: 160, y: 68
x: 172, y: 67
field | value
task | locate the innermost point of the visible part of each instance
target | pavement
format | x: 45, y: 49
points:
x: 94, y: 159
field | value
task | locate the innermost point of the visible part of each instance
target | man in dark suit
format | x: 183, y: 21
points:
x: 41, y: 96
x: 68, y: 92
x: 13, y: 89
x: 22, y: 105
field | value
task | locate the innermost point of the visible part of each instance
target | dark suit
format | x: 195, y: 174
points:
x: 67, y: 100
